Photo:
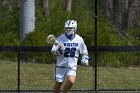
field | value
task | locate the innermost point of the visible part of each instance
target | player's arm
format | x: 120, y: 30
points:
x: 85, y: 58
x: 84, y: 52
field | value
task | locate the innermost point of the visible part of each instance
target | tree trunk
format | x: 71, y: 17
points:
x: 68, y: 5
x: 45, y: 7
x: 108, y: 7
x: 134, y: 12
x: 116, y: 12
x: 124, y: 12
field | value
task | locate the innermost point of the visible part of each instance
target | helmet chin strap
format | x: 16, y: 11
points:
x: 70, y: 35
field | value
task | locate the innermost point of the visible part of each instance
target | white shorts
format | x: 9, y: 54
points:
x: 61, y: 72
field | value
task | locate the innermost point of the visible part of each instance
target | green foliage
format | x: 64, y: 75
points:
x: 9, y: 24
x: 35, y: 38
x: 118, y: 59
x: 8, y: 39
x: 133, y: 34
x: 107, y: 34
x: 82, y: 11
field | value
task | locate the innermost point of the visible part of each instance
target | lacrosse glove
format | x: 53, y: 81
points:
x: 61, y: 48
x: 57, y: 50
x: 85, y: 59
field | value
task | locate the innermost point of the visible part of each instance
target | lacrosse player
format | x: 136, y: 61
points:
x: 71, y: 45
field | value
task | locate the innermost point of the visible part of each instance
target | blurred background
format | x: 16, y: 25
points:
x: 29, y: 22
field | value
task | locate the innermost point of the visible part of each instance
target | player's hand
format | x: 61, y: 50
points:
x: 85, y: 61
x: 61, y: 48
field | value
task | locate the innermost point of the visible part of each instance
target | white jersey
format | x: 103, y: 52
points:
x: 74, y: 47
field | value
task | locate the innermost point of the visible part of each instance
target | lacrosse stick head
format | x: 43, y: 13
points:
x: 52, y: 39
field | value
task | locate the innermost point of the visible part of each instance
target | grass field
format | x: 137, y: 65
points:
x: 119, y: 78
x: 40, y: 77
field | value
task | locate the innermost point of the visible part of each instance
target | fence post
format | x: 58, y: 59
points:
x: 18, y: 72
x: 95, y: 44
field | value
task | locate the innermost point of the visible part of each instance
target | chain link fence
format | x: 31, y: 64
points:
x: 114, y: 72
x: 34, y: 72
x: 8, y: 71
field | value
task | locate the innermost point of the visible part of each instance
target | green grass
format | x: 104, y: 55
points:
x: 40, y: 77
x: 8, y: 75
x: 119, y: 78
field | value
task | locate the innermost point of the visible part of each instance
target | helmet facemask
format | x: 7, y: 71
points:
x: 70, y: 28
x: 69, y: 32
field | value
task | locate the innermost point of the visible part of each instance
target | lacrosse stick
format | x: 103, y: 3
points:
x: 51, y: 39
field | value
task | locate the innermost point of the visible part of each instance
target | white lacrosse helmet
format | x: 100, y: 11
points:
x: 70, y: 28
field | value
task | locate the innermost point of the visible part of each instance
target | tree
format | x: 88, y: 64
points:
x: 45, y: 7
x: 108, y: 7
x: 68, y: 5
